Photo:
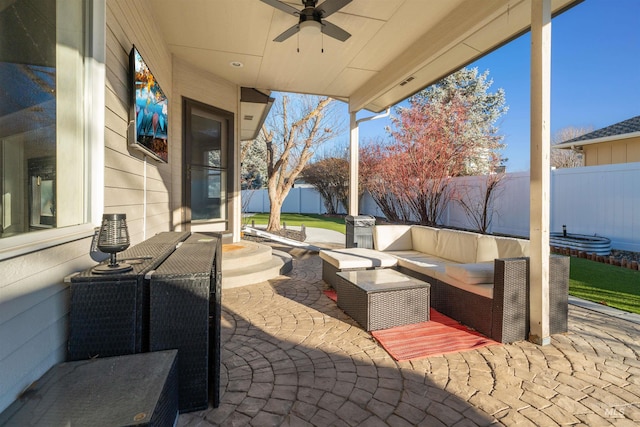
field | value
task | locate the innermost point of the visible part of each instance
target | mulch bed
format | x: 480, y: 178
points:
x: 297, y: 235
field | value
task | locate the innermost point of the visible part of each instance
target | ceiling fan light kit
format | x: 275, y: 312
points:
x: 310, y: 28
x: 311, y: 18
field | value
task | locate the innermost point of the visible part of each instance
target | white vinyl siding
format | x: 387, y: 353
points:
x: 137, y: 186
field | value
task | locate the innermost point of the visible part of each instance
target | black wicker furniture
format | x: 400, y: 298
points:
x: 169, y: 300
x: 179, y: 299
x: 505, y: 317
x: 480, y: 280
x: 381, y: 299
x: 133, y: 390
x: 109, y: 312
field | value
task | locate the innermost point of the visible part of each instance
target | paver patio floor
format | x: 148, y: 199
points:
x: 291, y: 357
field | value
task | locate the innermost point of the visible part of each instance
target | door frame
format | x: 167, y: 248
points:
x: 187, y: 105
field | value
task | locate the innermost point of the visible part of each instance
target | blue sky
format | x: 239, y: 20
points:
x: 595, y: 79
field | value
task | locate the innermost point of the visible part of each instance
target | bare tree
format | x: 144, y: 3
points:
x: 447, y: 130
x: 567, y: 158
x: 429, y: 148
x: 330, y: 177
x: 376, y: 167
x: 477, y: 200
x: 297, y: 125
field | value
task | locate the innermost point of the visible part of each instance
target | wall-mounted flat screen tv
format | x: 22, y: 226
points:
x: 149, y: 116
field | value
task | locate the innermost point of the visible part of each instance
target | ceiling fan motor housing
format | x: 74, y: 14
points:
x: 312, y: 13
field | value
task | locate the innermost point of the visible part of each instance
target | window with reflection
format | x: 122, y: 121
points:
x: 41, y: 115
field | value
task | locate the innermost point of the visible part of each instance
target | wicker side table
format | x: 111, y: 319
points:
x: 381, y: 299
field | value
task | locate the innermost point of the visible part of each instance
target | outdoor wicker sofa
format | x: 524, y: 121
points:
x: 480, y: 280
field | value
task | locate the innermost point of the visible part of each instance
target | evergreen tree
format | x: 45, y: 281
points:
x: 253, y: 159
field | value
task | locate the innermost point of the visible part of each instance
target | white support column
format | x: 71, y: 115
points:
x: 353, y: 165
x: 540, y: 170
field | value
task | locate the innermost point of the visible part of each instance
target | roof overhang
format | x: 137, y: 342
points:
x: 396, y: 48
x: 578, y: 144
x: 464, y: 36
x: 254, y: 108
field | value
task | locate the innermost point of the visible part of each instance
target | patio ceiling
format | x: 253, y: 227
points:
x: 392, y: 42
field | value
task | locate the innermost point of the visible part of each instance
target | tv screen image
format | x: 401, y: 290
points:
x: 150, y: 110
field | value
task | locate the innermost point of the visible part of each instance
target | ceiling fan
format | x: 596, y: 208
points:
x: 312, y: 17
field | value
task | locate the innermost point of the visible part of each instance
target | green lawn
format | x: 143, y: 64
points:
x: 605, y: 284
x: 317, y: 221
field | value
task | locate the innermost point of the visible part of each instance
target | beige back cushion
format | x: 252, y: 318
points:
x: 487, y: 248
x: 392, y: 238
x: 493, y: 247
x: 459, y: 246
x: 425, y: 239
x: 512, y: 247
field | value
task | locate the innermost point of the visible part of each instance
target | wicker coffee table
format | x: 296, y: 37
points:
x: 381, y: 299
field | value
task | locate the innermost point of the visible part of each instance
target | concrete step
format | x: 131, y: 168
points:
x: 244, y: 253
x: 287, y: 261
x: 247, y: 263
x: 252, y: 274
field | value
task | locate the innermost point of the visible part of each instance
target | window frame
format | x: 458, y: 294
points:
x: 93, y: 135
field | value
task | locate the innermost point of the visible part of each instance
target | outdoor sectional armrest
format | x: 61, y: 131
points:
x: 510, y: 309
x: 511, y: 289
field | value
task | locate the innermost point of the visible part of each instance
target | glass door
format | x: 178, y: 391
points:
x: 207, y: 145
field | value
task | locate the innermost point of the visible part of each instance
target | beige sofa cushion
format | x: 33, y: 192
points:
x: 352, y: 258
x: 487, y: 248
x: 458, y: 246
x: 436, y: 268
x: 472, y: 274
x: 512, y: 248
x: 425, y: 239
x: 482, y: 289
x: 493, y: 247
x: 392, y: 238
x: 419, y: 262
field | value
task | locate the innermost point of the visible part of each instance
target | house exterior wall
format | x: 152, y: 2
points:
x: 612, y: 152
x: 34, y: 299
x: 135, y: 184
x: 195, y: 84
x: 34, y: 303
x: 148, y: 191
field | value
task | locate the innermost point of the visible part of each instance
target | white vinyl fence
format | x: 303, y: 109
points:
x: 594, y: 200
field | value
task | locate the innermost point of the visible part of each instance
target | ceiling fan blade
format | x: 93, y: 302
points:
x: 334, y: 31
x: 288, y: 33
x: 282, y: 6
x: 329, y: 7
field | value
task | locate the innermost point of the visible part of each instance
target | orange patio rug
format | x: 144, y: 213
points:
x: 438, y: 336
x: 331, y: 294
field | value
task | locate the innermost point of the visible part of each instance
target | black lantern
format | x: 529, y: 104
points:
x: 113, y: 237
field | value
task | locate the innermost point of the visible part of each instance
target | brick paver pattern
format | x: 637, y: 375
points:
x: 291, y: 357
